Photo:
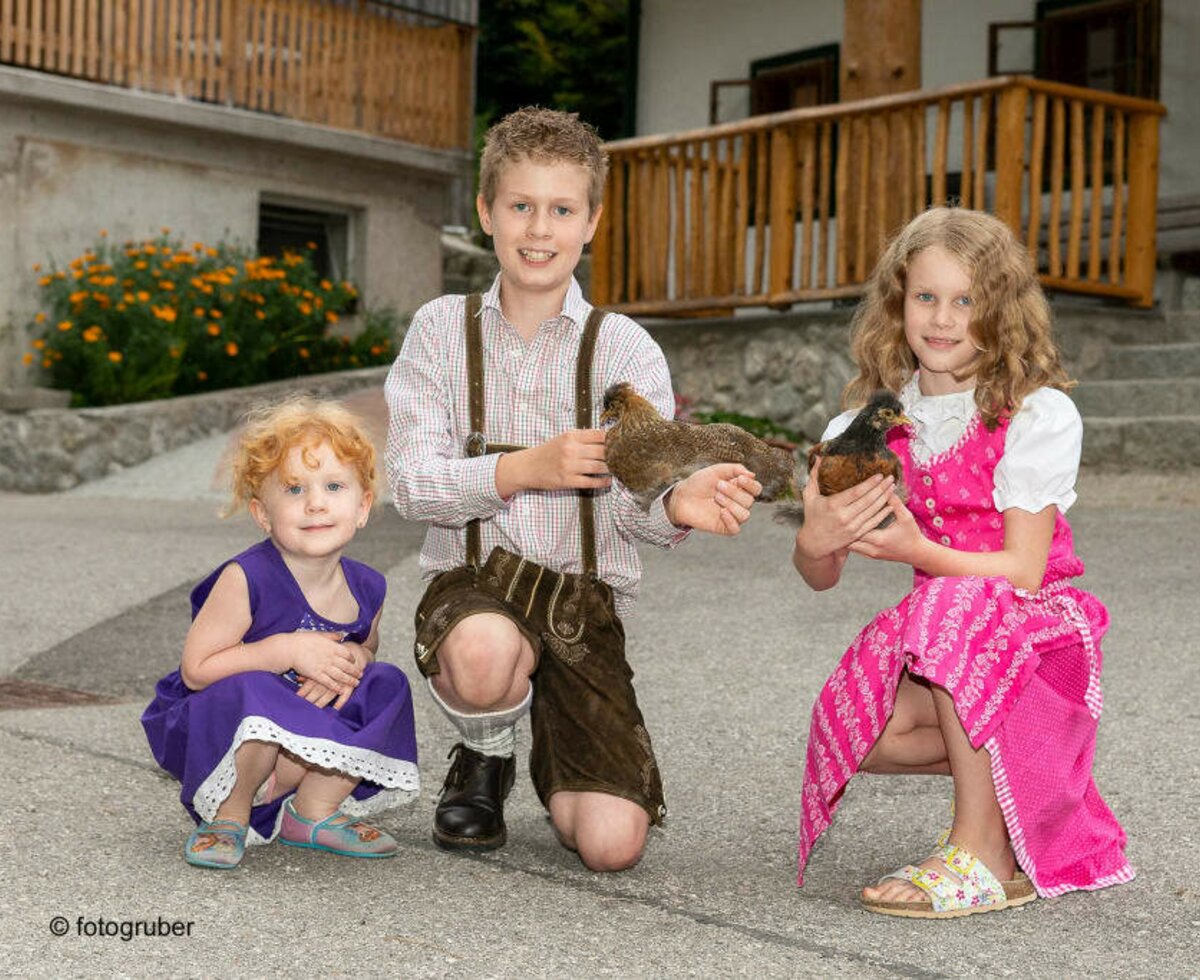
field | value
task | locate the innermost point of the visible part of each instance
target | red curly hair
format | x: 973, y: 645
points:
x: 271, y: 432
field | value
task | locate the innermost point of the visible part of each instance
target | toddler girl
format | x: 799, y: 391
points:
x: 989, y: 670
x: 279, y: 722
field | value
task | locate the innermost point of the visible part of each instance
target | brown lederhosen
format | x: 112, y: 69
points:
x: 588, y: 733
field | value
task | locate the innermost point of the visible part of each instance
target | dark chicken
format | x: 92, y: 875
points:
x: 858, y: 453
x: 648, y: 453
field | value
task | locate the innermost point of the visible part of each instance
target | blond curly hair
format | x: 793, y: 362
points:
x: 270, y: 432
x: 1010, y: 317
x: 543, y: 136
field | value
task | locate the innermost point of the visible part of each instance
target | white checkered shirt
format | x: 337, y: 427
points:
x: 530, y: 398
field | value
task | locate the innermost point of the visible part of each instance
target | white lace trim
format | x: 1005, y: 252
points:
x: 399, y: 776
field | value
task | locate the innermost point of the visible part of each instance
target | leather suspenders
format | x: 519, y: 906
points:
x: 478, y: 445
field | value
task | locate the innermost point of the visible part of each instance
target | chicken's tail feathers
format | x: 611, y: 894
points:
x: 790, y: 513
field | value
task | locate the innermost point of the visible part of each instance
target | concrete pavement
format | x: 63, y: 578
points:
x: 729, y: 648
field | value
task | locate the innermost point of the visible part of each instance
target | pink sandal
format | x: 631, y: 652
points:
x: 337, y: 833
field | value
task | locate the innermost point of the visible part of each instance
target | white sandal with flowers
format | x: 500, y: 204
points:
x: 967, y: 887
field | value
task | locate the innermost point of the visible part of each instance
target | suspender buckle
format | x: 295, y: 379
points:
x: 476, y: 444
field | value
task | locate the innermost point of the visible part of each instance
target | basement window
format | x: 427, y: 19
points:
x: 322, y: 235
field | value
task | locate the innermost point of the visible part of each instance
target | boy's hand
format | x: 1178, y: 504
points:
x: 716, y: 499
x: 573, y: 460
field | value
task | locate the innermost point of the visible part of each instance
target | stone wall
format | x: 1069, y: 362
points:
x: 57, y: 448
x: 790, y: 369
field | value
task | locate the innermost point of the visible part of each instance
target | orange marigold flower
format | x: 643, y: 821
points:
x: 76, y: 263
x: 231, y: 349
x: 37, y: 266
x: 103, y: 232
x: 39, y: 344
x: 65, y: 325
x: 166, y: 284
x: 40, y: 318
x: 166, y: 313
x: 303, y: 352
x: 211, y: 253
x: 128, y: 297
x: 150, y: 250
x: 312, y: 245
x: 326, y: 285
x: 78, y: 297
x: 198, y: 311
x: 215, y: 314
x: 46, y: 362
x: 260, y: 315
x: 45, y: 281
x: 198, y: 246
x: 143, y: 296
x: 92, y: 334
x: 27, y: 359
x: 140, y: 264
x: 376, y: 350
x: 214, y: 329
x: 305, y: 308
x: 331, y: 317
x: 201, y: 375
x: 115, y: 356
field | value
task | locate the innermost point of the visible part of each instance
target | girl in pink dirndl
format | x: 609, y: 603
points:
x: 989, y: 669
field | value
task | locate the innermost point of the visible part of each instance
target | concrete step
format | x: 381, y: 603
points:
x: 1178, y: 360
x: 1138, y: 397
x: 1162, y: 442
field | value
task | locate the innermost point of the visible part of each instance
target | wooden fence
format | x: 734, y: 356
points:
x: 794, y: 206
x: 351, y: 64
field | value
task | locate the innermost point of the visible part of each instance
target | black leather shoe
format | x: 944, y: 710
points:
x: 470, y: 810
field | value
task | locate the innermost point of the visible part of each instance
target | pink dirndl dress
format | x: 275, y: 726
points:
x: 1023, y: 670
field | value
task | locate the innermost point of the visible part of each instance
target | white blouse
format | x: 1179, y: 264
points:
x: 1041, y: 447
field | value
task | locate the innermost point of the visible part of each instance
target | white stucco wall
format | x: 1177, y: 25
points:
x: 686, y: 44
x: 74, y: 160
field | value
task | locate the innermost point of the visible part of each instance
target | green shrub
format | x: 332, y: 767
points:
x: 157, y: 318
x: 754, y: 424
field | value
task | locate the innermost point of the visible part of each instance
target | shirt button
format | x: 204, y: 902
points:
x: 927, y: 480
x: 937, y: 521
x: 945, y: 539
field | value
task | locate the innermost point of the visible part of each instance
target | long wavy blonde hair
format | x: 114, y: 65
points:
x: 1010, y: 318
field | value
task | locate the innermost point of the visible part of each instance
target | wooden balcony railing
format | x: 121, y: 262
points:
x: 794, y: 206
x: 352, y: 64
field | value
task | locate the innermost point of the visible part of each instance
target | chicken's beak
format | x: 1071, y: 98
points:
x: 901, y: 419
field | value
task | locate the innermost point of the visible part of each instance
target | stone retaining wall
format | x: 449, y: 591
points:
x: 790, y: 368
x: 57, y: 448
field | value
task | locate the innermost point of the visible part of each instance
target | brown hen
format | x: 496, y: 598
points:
x: 648, y: 453
x: 858, y: 453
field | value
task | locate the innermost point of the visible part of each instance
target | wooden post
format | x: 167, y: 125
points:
x: 881, y: 55
x: 1010, y: 155
x: 783, y: 211
x: 1140, y: 249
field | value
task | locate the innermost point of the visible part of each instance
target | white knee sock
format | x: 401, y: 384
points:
x: 487, y: 732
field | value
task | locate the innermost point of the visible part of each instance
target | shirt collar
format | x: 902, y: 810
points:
x: 575, y: 308
x: 931, y: 409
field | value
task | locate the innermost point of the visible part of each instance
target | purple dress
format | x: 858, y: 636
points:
x: 194, y: 734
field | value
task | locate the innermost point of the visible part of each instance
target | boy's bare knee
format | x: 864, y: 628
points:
x: 483, y: 660
x: 609, y: 850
